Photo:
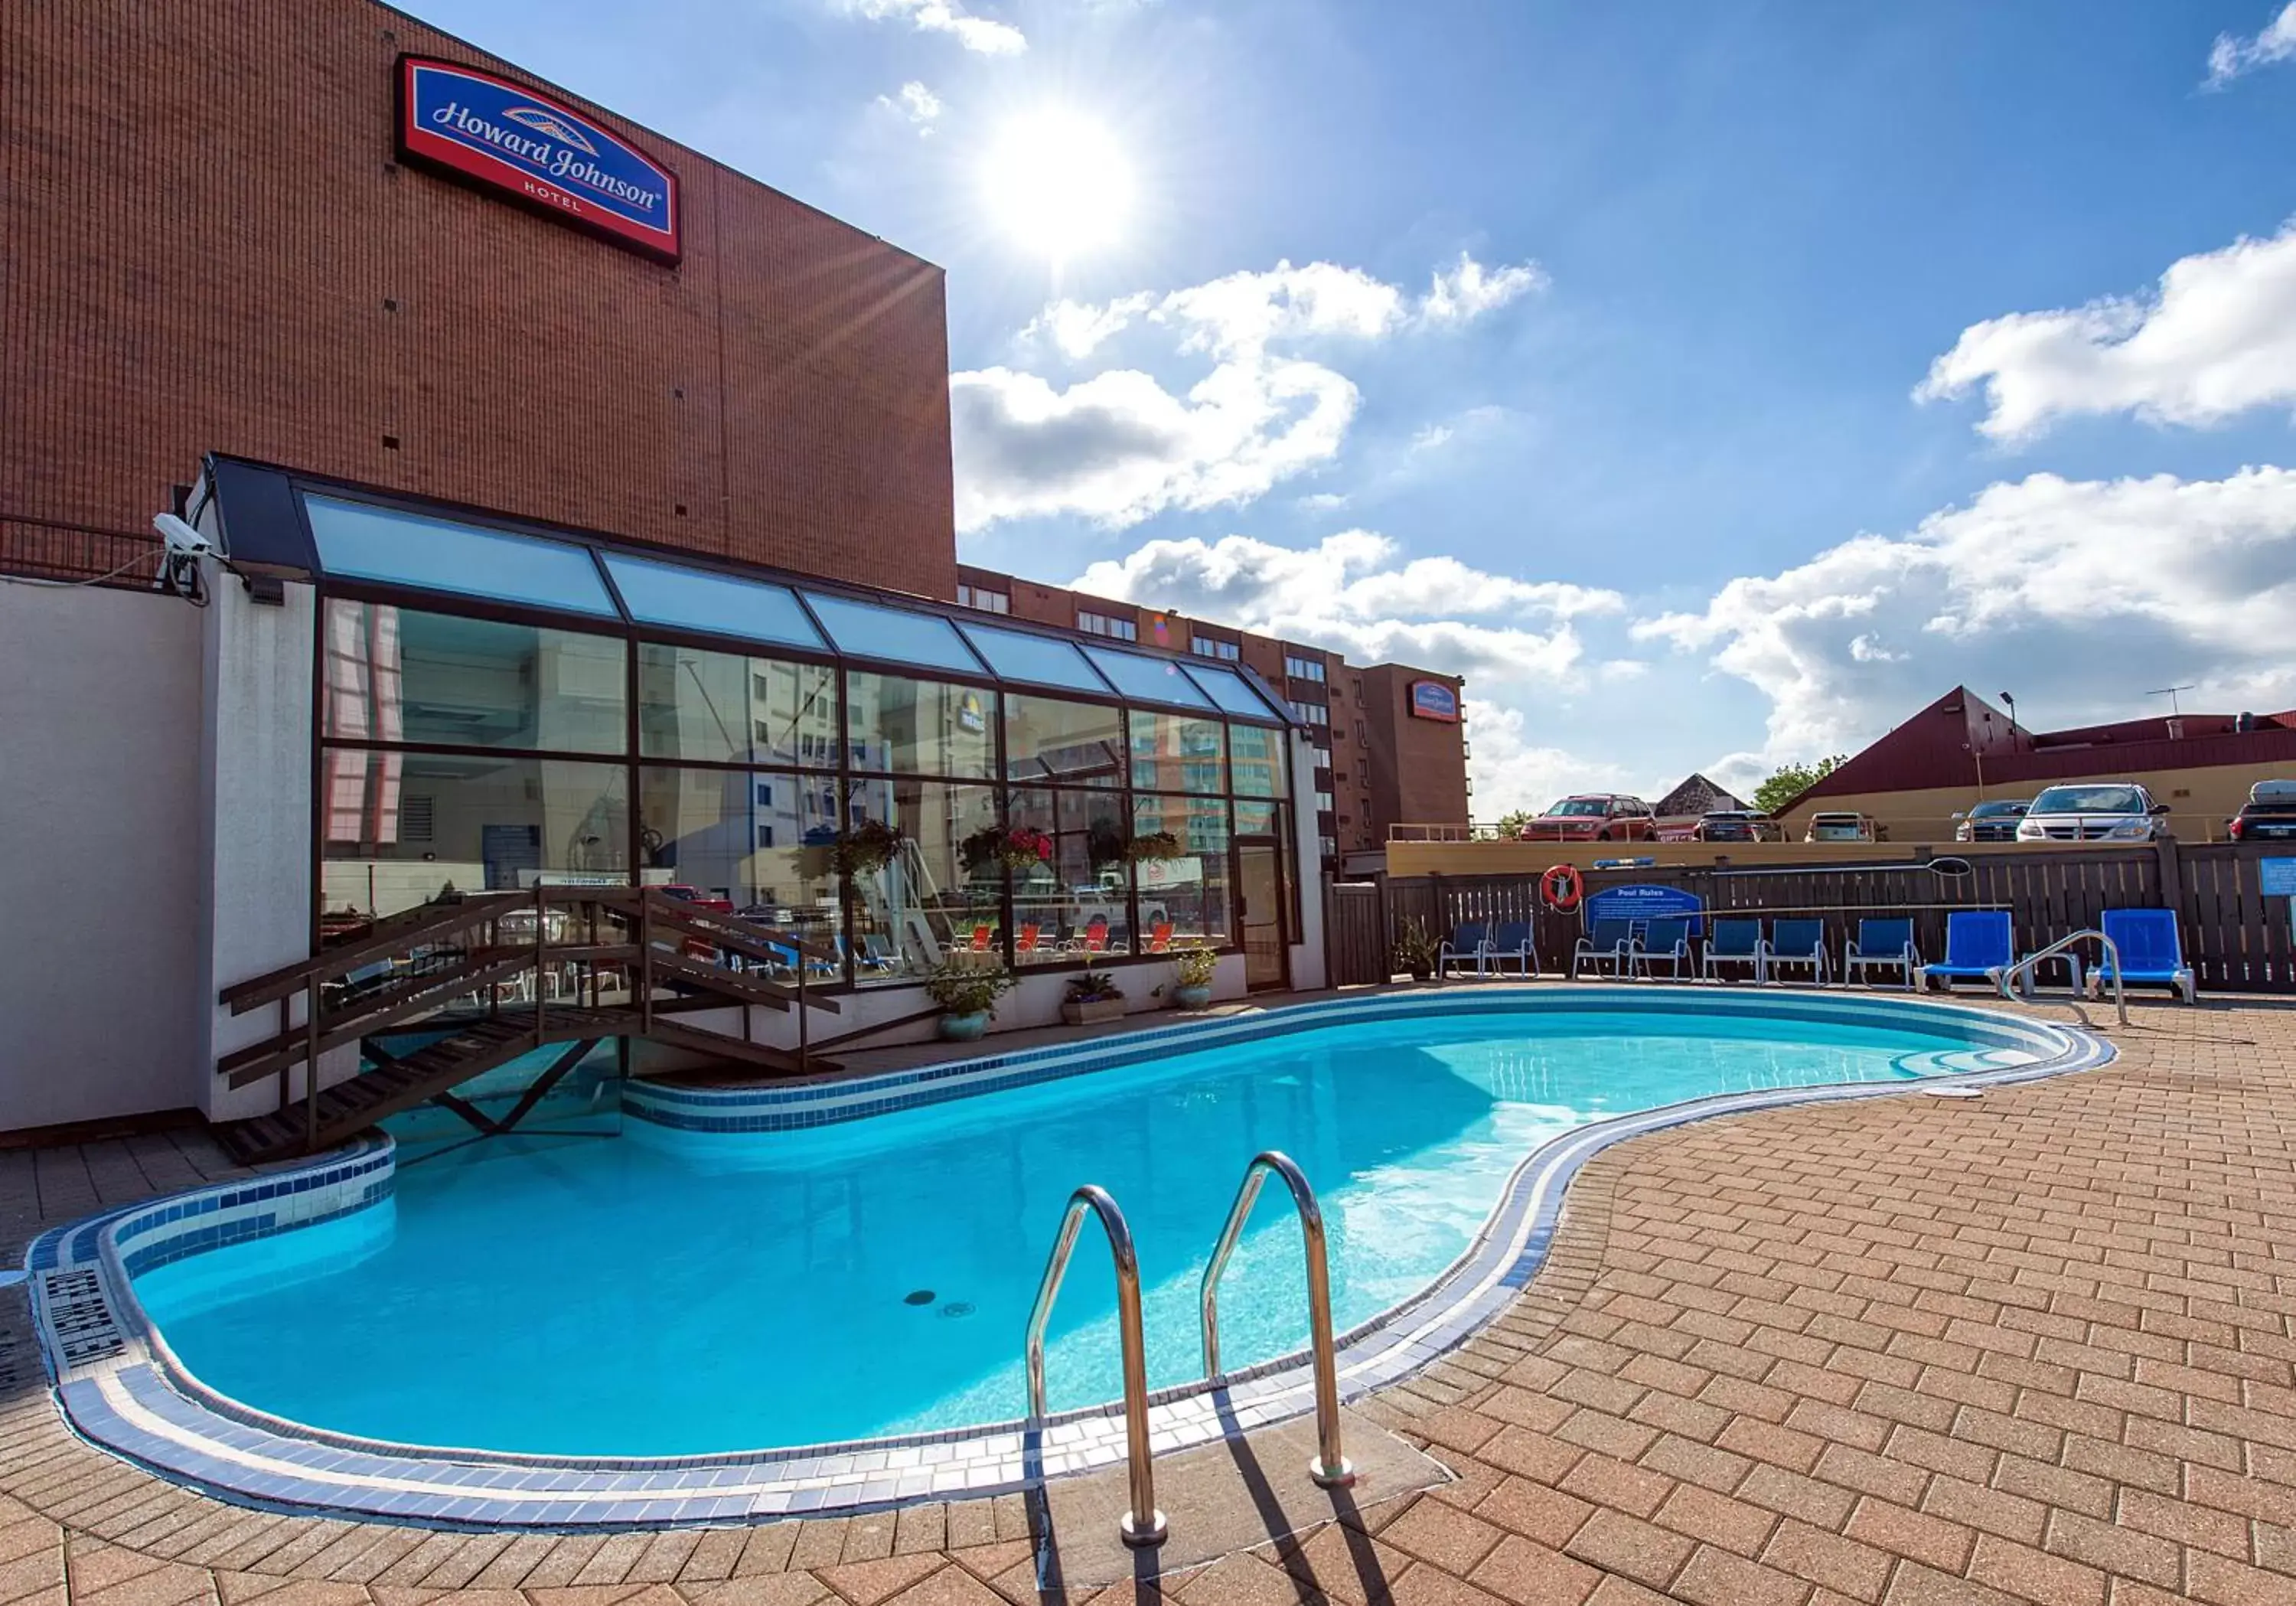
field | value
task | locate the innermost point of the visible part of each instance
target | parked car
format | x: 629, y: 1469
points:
x: 1841, y: 826
x: 2270, y: 815
x: 2094, y: 811
x: 1595, y: 817
x: 1993, y: 820
x: 1727, y: 825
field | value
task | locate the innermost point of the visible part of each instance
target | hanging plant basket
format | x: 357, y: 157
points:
x: 1154, y: 846
x: 1017, y: 848
x: 871, y: 845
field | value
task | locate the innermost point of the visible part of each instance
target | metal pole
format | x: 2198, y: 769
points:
x: 540, y: 991
x: 1330, y: 1468
x: 1142, y: 1525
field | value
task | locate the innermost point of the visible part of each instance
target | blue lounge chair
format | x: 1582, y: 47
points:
x: 1665, y: 942
x: 2151, y: 955
x: 1610, y: 941
x: 1512, y: 940
x: 1796, y: 943
x: 1734, y: 943
x: 1467, y: 942
x: 1977, y: 949
x: 1885, y: 944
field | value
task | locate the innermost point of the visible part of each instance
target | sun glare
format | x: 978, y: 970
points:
x: 1058, y: 184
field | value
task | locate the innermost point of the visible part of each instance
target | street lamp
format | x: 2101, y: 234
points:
x: 2010, y: 703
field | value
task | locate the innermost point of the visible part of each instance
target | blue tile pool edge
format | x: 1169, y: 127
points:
x: 140, y: 1402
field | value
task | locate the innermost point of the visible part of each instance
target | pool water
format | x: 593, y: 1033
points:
x: 668, y: 1293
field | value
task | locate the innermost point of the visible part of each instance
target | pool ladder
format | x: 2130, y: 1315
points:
x: 1142, y: 1524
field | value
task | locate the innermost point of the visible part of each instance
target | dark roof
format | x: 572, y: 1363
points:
x: 1941, y: 746
x: 1696, y: 794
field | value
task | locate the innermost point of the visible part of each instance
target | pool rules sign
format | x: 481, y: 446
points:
x: 2277, y: 879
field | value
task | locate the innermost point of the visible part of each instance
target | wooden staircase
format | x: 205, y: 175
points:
x: 484, y: 971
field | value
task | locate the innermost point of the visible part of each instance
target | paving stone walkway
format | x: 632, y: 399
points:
x: 2037, y: 1347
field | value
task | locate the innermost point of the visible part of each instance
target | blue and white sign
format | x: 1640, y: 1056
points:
x: 1434, y: 700
x: 2276, y: 877
x: 1646, y: 902
x: 503, y: 135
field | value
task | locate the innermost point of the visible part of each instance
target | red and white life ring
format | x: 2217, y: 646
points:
x: 1562, y: 887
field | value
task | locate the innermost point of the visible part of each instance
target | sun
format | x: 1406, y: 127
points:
x: 1058, y: 184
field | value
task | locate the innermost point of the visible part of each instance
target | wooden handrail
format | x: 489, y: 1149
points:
x: 701, y: 922
x: 332, y: 964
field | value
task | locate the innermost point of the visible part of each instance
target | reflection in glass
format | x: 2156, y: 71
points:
x: 1151, y: 680
x: 400, y: 675
x: 920, y: 726
x: 363, y: 541
x: 1074, y: 906
x: 1183, y: 901
x: 926, y: 902
x: 1051, y: 739
x: 1227, y: 688
x: 1256, y: 758
x: 894, y: 635
x: 1044, y: 660
x: 1177, y: 753
x: 724, y: 708
x: 402, y: 828
x: 1255, y: 819
x: 753, y: 842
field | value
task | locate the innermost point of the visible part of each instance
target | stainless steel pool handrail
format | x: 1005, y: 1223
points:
x: 1143, y: 1524
x: 2024, y: 967
x: 1330, y: 1468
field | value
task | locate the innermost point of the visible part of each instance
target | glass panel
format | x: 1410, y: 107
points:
x: 919, y: 726
x: 361, y: 541
x: 1256, y: 756
x: 1229, y: 690
x: 725, y: 708
x: 740, y: 837
x: 1149, y: 680
x: 395, y: 674
x: 1074, y: 906
x: 401, y: 827
x: 1183, y: 901
x: 1260, y: 887
x: 1177, y: 753
x: 926, y: 903
x: 1255, y: 819
x: 1050, y: 738
x: 893, y: 634
x: 668, y: 594
x: 1045, y: 659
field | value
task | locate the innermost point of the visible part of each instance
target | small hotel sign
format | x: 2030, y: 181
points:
x: 503, y: 136
x: 1434, y: 700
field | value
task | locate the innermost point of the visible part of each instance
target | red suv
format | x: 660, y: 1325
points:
x: 1595, y: 817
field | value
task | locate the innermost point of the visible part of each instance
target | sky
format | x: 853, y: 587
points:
x: 1711, y: 385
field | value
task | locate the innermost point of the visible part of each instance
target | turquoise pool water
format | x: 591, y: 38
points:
x: 665, y: 1293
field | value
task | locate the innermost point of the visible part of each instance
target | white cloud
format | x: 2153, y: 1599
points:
x: 1470, y: 290
x: 2077, y: 595
x: 2219, y: 338
x: 1348, y: 593
x: 917, y: 102
x: 2232, y: 56
x: 1323, y: 501
x: 1120, y: 446
x: 978, y: 34
x: 1512, y: 772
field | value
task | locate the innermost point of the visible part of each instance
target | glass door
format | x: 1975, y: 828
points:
x: 1259, y: 894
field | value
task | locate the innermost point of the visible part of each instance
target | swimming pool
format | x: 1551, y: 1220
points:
x: 675, y: 1293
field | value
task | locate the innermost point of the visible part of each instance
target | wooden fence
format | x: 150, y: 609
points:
x: 2237, y: 940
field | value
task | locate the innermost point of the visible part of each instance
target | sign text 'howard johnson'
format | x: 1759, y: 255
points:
x: 505, y: 136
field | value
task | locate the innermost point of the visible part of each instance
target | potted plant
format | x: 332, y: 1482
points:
x: 1018, y: 848
x: 1194, y: 989
x: 870, y: 845
x: 1091, y: 997
x: 1414, y: 951
x: 967, y: 996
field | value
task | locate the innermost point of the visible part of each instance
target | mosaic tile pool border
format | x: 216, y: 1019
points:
x: 119, y: 1386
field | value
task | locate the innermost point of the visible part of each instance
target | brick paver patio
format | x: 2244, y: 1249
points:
x: 2035, y: 1346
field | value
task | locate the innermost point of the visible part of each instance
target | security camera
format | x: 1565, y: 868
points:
x: 180, y: 536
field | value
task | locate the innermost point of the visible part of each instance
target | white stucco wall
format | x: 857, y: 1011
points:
x: 1309, y: 967
x: 102, y: 866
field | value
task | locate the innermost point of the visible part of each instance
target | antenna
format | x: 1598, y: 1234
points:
x: 2170, y: 692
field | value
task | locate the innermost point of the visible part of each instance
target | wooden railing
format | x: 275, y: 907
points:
x: 608, y: 955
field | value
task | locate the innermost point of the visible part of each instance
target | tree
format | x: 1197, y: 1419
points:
x: 1791, y: 780
x: 1511, y: 825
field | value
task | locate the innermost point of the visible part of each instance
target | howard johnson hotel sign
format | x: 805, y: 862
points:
x: 500, y: 136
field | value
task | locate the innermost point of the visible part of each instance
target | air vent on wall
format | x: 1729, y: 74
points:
x: 416, y: 815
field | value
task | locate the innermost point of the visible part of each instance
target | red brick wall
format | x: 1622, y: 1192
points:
x: 1418, y: 767
x: 209, y: 245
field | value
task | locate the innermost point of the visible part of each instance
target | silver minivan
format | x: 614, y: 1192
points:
x: 2118, y: 810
